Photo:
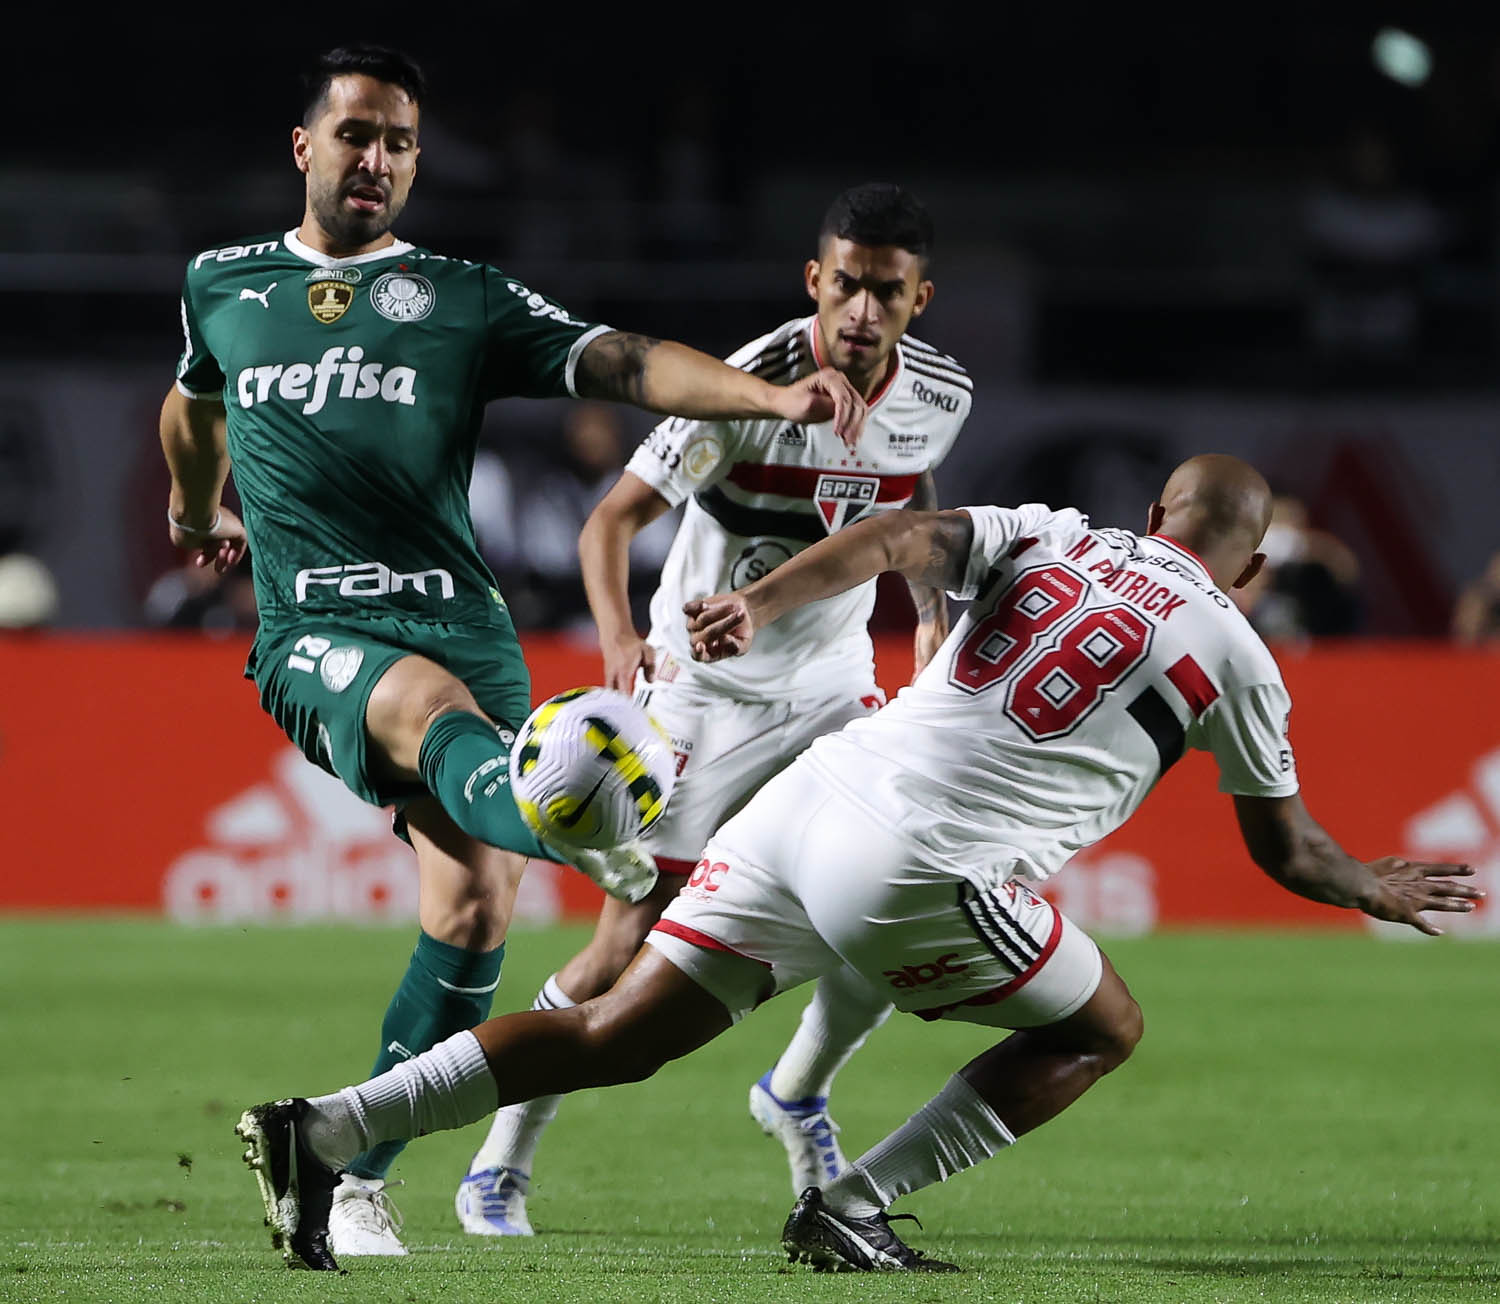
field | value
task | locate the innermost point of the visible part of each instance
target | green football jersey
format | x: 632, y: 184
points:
x: 354, y: 389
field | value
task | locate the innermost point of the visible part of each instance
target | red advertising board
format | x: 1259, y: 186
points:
x: 138, y: 773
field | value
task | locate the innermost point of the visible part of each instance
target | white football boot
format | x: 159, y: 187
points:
x: 806, y: 1132
x: 492, y: 1202
x: 363, y: 1220
x: 626, y: 872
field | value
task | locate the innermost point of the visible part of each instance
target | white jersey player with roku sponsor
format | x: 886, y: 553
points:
x: 1088, y: 661
x: 757, y: 493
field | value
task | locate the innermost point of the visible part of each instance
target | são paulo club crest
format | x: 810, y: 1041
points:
x: 843, y: 499
x: 403, y: 296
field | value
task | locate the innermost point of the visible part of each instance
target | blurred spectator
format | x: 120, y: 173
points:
x: 196, y: 597
x: 1309, y: 586
x: 1370, y: 241
x: 527, y: 520
x: 1476, y: 616
x: 28, y: 594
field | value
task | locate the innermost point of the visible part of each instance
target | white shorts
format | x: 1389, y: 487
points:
x: 801, y: 882
x: 725, y: 751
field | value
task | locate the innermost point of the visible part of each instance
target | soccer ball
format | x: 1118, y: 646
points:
x: 589, y: 768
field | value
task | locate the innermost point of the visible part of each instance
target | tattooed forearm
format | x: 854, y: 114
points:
x: 614, y: 367
x: 951, y: 541
x: 927, y: 594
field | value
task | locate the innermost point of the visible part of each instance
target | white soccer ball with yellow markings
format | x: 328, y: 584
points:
x: 589, y: 768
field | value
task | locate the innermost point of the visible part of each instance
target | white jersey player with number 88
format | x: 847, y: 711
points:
x: 904, y: 847
x: 757, y: 493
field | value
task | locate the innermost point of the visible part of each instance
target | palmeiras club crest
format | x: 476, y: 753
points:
x: 843, y: 499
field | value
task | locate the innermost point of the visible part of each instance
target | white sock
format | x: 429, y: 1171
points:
x: 844, y: 1010
x: 951, y: 1132
x: 517, y: 1129
x: 445, y: 1087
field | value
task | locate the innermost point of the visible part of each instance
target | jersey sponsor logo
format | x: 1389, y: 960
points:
x: 260, y: 296
x: 339, y: 666
x: 907, y: 443
x: 927, y: 973
x: 329, y: 299
x: 370, y: 579
x: 357, y: 379
x: 924, y: 394
x: 230, y: 253
x: 402, y: 296
x: 843, y: 499
x: 541, y: 306
x: 758, y: 559
x: 705, y: 873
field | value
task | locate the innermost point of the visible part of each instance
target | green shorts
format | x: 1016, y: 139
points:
x: 315, y: 677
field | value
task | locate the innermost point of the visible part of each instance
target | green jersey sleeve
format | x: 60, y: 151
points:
x: 198, y: 371
x: 532, y: 344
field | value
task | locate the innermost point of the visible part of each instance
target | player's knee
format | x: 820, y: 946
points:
x: 620, y: 1049
x: 1121, y: 1034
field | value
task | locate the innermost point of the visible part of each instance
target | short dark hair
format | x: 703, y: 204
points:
x: 879, y: 213
x: 377, y: 61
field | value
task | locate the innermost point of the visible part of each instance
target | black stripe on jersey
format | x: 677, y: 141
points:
x: 750, y: 522
x: 958, y: 379
x: 935, y: 355
x: 782, y: 371
x: 1151, y: 712
x: 772, y: 357
x: 1006, y: 941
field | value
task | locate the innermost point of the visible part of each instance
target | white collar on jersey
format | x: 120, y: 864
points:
x: 294, y: 245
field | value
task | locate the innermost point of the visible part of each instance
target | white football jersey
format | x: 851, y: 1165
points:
x: 759, y: 492
x: 1087, y: 661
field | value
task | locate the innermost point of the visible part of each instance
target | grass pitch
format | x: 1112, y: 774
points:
x: 1308, y: 1118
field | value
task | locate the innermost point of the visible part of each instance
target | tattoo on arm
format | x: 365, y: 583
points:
x: 952, y: 539
x: 614, y: 367
x: 927, y: 595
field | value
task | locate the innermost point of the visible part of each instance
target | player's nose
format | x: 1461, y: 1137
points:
x: 376, y: 160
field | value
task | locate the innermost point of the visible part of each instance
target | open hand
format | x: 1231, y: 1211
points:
x: 1410, y: 886
x: 826, y: 394
x: 719, y: 626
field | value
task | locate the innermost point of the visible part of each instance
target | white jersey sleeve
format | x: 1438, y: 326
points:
x: 997, y: 531
x: 1246, y: 730
x: 681, y: 456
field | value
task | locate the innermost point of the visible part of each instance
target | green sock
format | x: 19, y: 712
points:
x: 466, y: 766
x: 446, y: 989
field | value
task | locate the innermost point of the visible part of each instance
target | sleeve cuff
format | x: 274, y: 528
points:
x: 212, y: 395
x: 576, y: 352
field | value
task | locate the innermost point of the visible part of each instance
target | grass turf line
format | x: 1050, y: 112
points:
x: 1308, y: 1118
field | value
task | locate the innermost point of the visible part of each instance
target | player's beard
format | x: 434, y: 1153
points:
x: 348, y: 228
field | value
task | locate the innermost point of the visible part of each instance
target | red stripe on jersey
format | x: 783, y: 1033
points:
x: 1187, y: 678
x: 802, y: 481
x: 666, y: 865
x: 673, y: 929
x: 1181, y: 547
x: 1008, y: 989
x: 1019, y: 547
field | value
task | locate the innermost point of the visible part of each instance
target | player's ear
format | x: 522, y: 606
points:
x: 810, y: 274
x: 301, y: 148
x: 1155, y: 515
x: 1252, y: 569
x: 923, y: 297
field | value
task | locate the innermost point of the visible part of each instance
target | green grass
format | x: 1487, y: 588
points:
x: 1308, y: 1118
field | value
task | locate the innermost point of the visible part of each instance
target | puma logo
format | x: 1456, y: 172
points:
x: 248, y: 293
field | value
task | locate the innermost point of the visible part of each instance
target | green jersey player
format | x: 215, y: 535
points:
x: 343, y: 372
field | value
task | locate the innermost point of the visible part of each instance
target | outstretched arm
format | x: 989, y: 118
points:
x: 193, y: 442
x: 662, y: 376
x: 931, y: 548
x: 930, y: 601
x: 1286, y: 842
x: 604, y: 551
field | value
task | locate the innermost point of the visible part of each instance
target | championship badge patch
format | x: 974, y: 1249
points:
x: 328, y: 299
